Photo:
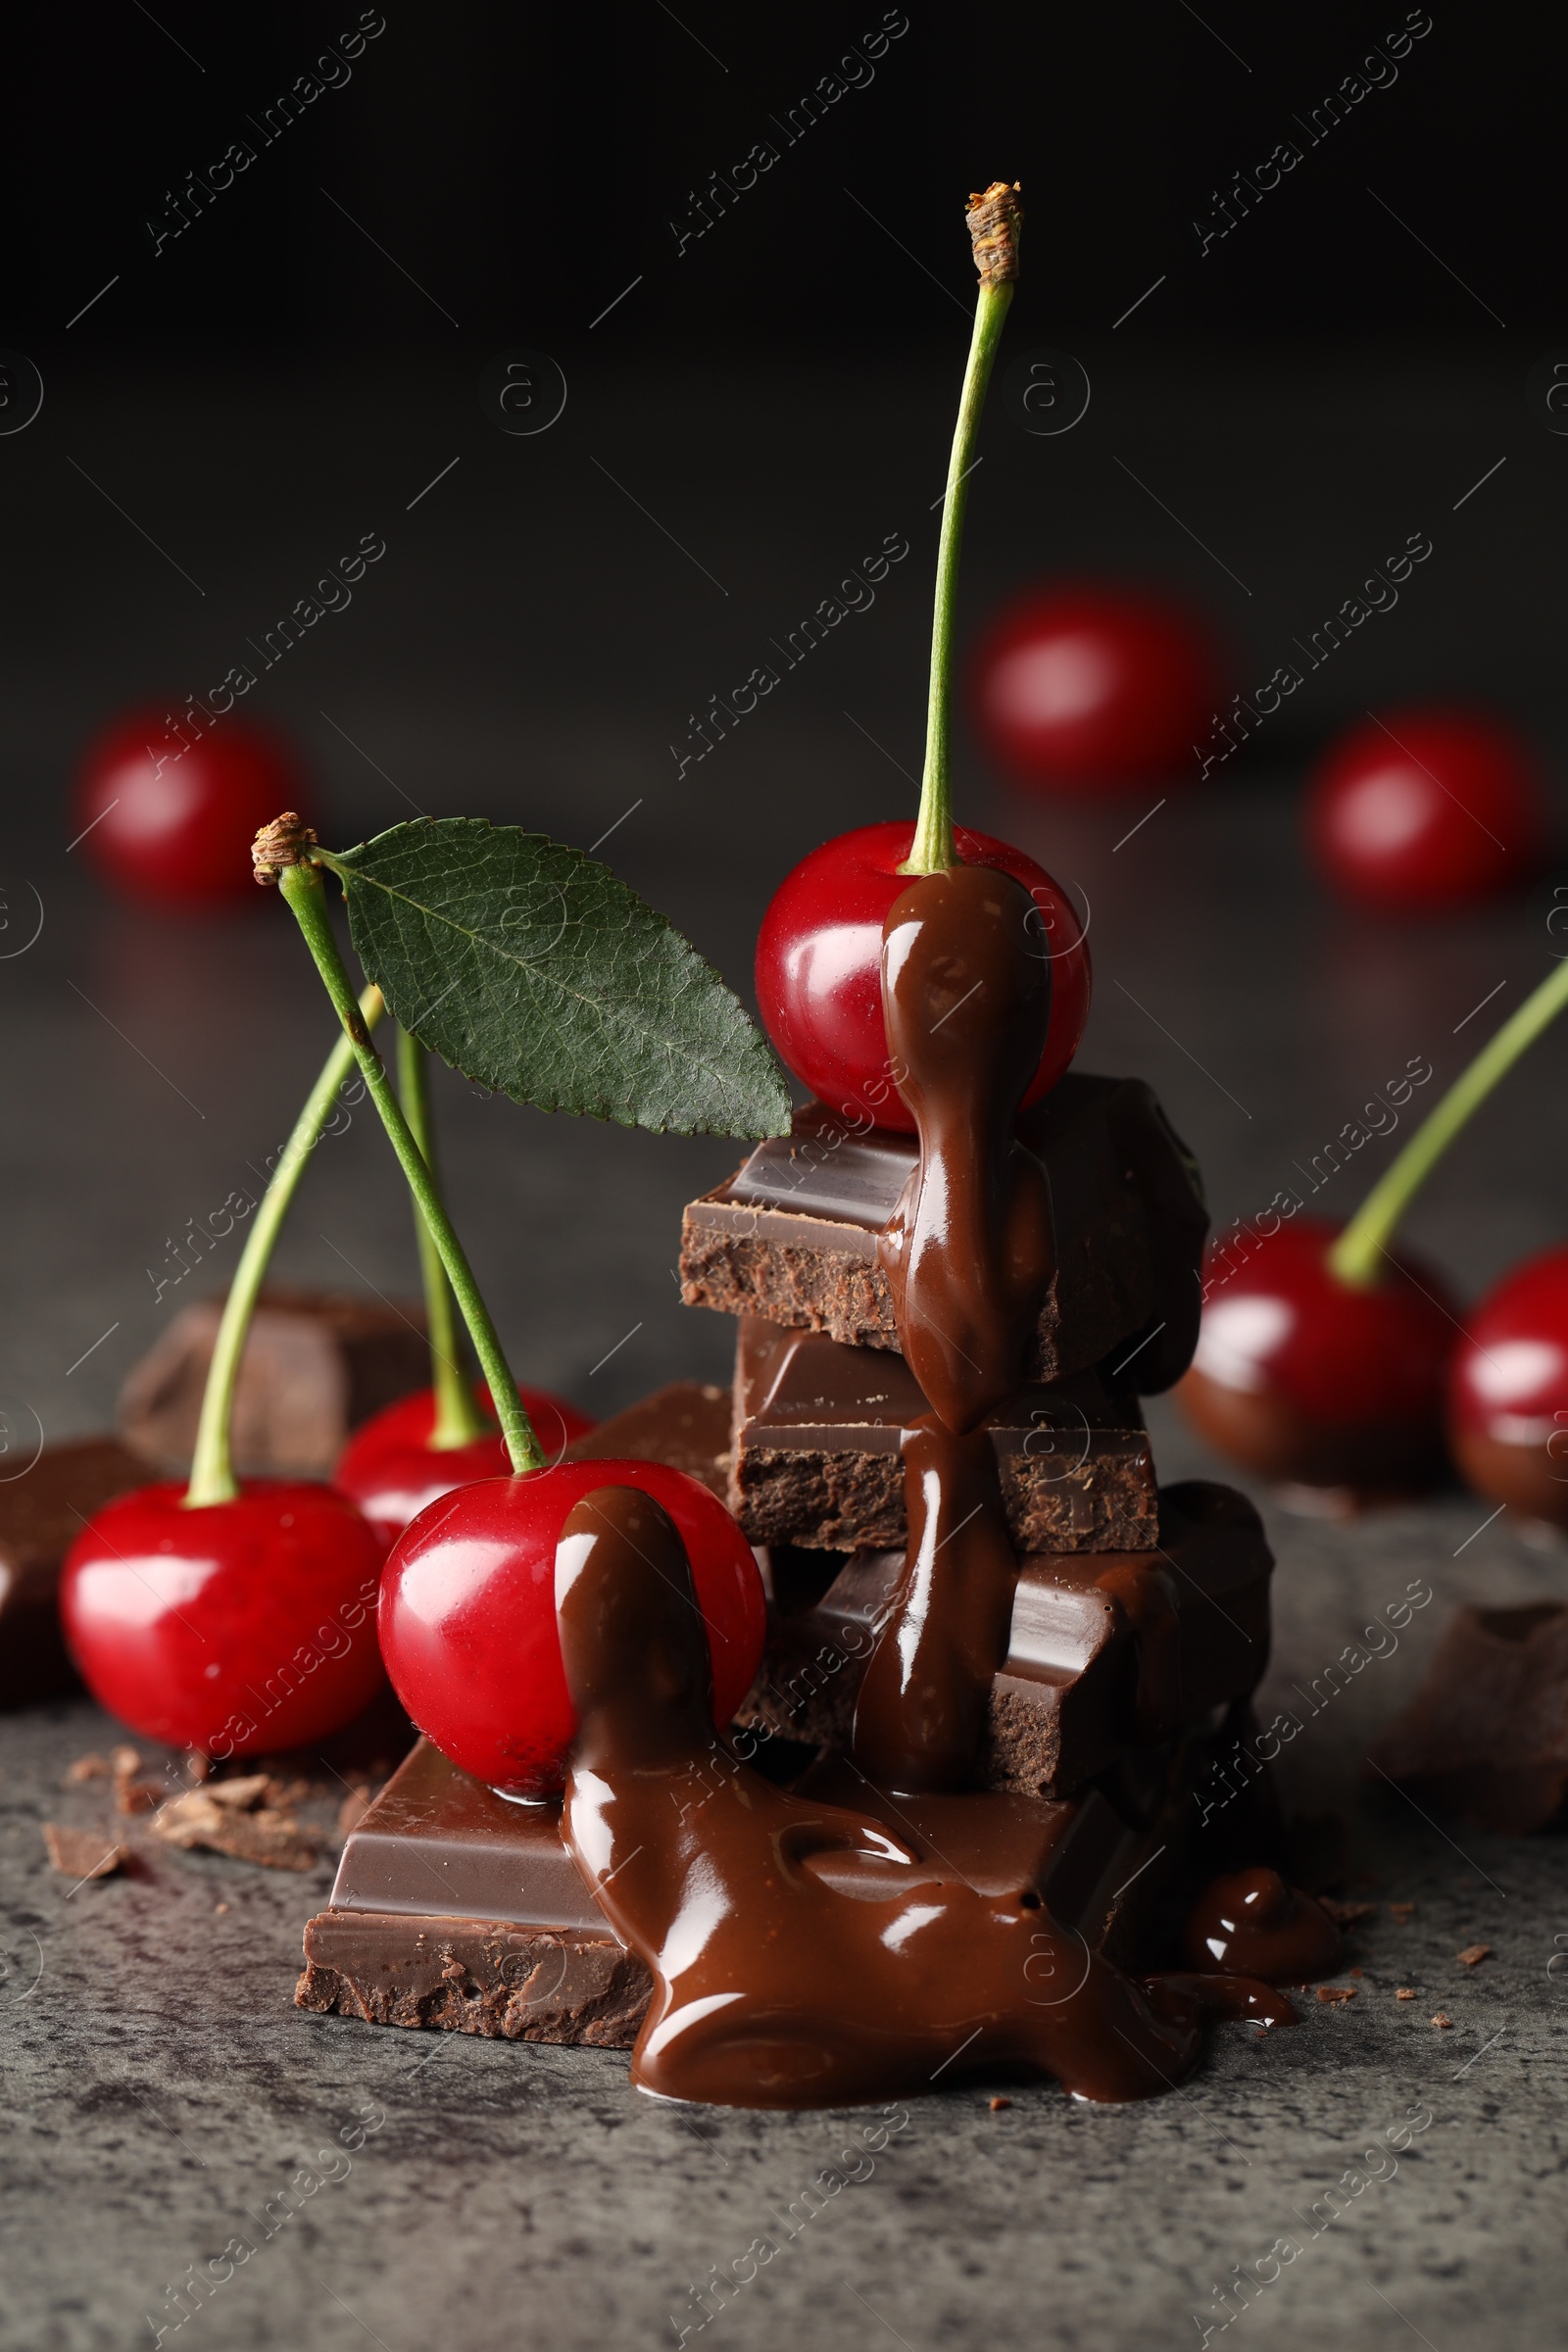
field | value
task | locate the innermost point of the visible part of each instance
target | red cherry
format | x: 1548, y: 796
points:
x: 469, y: 1615
x: 1083, y: 687
x: 819, y: 966
x: 1428, y: 807
x: 175, y: 824
x: 391, y: 1470
x: 245, y: 1625
x: 1508, y: 1391
x: 1301, y: 1377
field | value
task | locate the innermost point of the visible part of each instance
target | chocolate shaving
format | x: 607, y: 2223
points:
x: 1336, y: 1992
x: 1474, y: 1953
x: 88, y: 1768
x: 1345, y: 1915
x: 1402, y: 1912
x: 1444, y: 2020
x: 217, y: 1817
x: 81, y: 1854
x: 1406, y: 1992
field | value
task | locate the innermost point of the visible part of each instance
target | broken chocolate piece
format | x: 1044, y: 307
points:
x: 686, y: 1426
x: 792, y: 1236
x: 1486, y: 1736
x: 1081, y: 1679
x: 817, y: 1455
x: 317, y: 1363
x: 41, y: 1514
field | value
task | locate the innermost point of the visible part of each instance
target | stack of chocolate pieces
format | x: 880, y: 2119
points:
x: 1140, y: 1619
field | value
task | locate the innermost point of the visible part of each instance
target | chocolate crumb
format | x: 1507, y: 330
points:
x: 1406, y: 1992
x: 220, y: 1906
x: 1345, y: 1915
x: 1336, y: 1992
x: 1474, y: 1953
x: 82, y: 1853
x: 88, y: 1768
x: 997, y: 2105
x: 1442, y: 2019
x: 1355, y: 1972
x: 137, y: 1797
x: 1402, y: 1912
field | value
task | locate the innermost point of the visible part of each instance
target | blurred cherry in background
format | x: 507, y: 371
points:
x: 172, y: 821
x: 1428, y: 807
x: 1085, y: 687
x: 1508, y: 1391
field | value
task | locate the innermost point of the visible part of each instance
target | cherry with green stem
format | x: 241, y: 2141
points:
x: 224, y: 1615
x: 420, y: 1446
x: 467, y: 1613
x: 819, y: 970
x: 1322, y: 1358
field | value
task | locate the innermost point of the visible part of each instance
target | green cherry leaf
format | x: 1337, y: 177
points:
x: 534, y: 970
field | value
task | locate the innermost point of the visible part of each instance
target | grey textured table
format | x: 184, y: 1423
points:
x: 529, y: 649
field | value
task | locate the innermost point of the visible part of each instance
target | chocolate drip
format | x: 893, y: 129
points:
x: 1253, y: 1922
x: 968, y: 1253
x: 803, y: 1953
x: 922, y: 1706
x: 970, y: 1248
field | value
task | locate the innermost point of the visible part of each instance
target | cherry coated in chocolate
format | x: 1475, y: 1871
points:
x: 802, y: 1954
x: 1306, y: 1378
x: 1253, y: 1923
x: 970, y: 1248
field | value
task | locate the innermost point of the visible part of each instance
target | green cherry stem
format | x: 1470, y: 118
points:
x: 212, y: 1470
x: 458, y: 1418
x: 995, y: 219
x: 302, y: 886
x: 1358, y: 1256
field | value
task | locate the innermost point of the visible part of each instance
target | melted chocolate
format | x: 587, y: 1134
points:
x: 968, y: 1254
x: 1255, y: 1924
x: 922, y: 1706
x: 803, y: 1953
x: 970, y: 1248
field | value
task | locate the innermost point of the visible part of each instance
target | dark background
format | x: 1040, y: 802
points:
x: 524, y: 163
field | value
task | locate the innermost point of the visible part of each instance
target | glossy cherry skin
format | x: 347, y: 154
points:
x: 175, y: 826
x: 391, y: 1470
x: 1508, y: 1391
x: 819, y: 966
x: 244, y: 1626
x: 1429, y: 808
x: 467, y: 1615
x: 1085, y: 688
x: 1303, y: 1379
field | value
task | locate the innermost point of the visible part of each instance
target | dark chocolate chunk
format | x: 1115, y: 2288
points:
x: 792, y: 1236
x: 1106, y: 1651
x: 1486, y: 1736
x: 686, y: 1426
x: 816, y: 1457
x: 317, y: 1363
x: 41, y: 1514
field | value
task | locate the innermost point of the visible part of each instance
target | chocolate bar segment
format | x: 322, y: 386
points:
x: 1109, y: 1652
x: 41, y: 1514
x: 317, y: 1363
x: 1486, y: 1736
x: 792, y: 1236
x: 456, y: 1910
x: 816, y: 1460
